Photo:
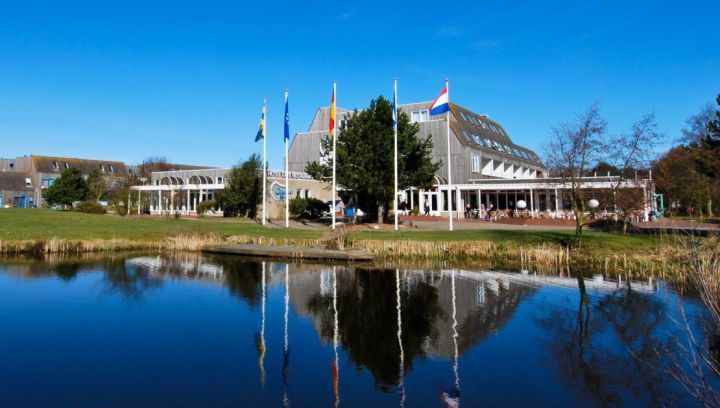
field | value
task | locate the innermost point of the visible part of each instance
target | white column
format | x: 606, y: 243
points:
x: 459, y: 202
x: 412, y: 199
x: 440, y: 200
x: 421, y: 201
x: 139, y: 200
x: 160, y: 206
x: 187, y: 204
x: 557, y: 207
x: 532, y: 204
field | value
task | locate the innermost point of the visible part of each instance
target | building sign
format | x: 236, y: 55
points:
x: 277, y: 191
x: 293, y: 175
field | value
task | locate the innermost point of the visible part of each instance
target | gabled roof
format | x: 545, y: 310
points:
x: 13, y: 181
x: 479, y: 132
x: 49, y: 164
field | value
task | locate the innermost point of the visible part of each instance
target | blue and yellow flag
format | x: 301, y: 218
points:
x: 261, y: 131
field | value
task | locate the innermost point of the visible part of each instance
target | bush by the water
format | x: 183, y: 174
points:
x: 205, y: 206
x: 308, y: 208
x: 90, y: 207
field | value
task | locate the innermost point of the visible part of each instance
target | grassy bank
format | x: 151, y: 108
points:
x: 593, y: 242
x: 42, y: 224
x: 46, y: 231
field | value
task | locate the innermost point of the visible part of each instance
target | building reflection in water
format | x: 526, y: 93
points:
x: 436, y: 314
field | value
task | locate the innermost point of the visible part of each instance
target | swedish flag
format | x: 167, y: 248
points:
x: 261, y: 132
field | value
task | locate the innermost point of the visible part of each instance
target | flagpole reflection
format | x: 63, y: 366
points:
x: 286, y: 348
x: 452, y: 398
x: 260, y: 338
x: 401, y: 385
x: 335, y: 364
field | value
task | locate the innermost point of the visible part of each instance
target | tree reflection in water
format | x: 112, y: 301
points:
x: 590, y: 363
x: 129, y: 280
x: 243, y: 278
x: 368, y: 327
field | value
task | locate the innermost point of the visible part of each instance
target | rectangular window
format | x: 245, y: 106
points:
x: 475, y: 162
x: 47, y: 182
x: 420, y: 116
x: 219, y: 180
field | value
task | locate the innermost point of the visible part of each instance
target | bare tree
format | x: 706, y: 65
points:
x: 151, y: 164
x: 694, y: 360
x: 572, y: 151
x: 630, y: 153
x: 697, y: 126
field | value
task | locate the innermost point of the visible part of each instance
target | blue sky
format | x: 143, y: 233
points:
x: 127, y: 80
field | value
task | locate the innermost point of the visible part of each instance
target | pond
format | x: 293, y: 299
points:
x: 191, y: 330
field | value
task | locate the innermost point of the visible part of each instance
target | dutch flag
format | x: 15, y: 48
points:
x: 441, y: 103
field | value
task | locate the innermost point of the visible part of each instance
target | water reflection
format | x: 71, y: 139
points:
x: 597, y: 338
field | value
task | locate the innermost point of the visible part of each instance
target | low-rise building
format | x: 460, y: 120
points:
x: 180, y: 191
x: 16, y: 190
x: 44, y: 170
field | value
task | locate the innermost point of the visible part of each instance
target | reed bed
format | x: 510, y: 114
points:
x: 667, y: 263
x: 192, y: 243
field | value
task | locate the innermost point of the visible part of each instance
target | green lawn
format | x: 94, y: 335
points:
x: 602, y: 241
x: 20, y: 224
x: 29, y: 224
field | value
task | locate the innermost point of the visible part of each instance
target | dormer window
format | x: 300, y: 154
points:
x: 55, y: 165
x: 67, y: 166
x: 102, y: 168
x: 419, y: 116
x: 111, y: 169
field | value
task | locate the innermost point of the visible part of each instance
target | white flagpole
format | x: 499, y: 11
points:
x: 449, y: 164
x: 287, y: 175
x: 395, y: 129
x: 334, y: 155
x: 264, y: 213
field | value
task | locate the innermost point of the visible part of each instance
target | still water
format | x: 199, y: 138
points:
x: 191, y: 330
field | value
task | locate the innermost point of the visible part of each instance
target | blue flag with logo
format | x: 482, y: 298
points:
x: 287, y: 119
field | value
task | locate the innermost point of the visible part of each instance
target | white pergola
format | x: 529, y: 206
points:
x: 545, y: 193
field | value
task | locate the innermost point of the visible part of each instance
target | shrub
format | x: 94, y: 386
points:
x: 90, y: 207
x: 308, y: 208
x: 205, y: 206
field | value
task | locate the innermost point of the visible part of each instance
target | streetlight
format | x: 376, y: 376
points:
x: 593, y: 204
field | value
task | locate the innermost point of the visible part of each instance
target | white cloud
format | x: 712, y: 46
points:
x: 449, y: 31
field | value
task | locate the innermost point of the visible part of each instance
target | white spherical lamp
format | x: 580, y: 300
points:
x: 593, y: 204
x: 521, y: 204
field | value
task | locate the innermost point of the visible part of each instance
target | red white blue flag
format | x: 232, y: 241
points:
x: 441, y: 103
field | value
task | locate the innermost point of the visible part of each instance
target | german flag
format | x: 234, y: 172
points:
x: 332, y: 113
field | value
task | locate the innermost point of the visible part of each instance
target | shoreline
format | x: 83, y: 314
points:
x: 665, y: 260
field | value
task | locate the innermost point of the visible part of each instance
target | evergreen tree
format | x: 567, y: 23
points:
x: 242, y: 194
x: 68, y: 188
x: 365, y: 155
